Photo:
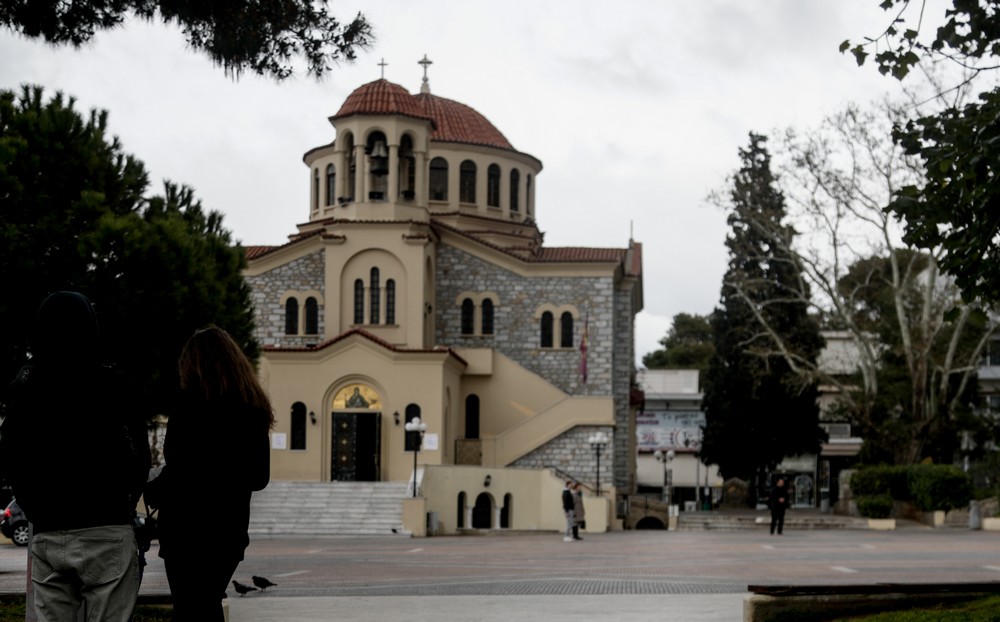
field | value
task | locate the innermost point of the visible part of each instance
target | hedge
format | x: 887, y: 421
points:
x: 931, y: 487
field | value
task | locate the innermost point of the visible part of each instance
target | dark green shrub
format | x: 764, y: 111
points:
x: 875, y: 506
x: 881, y: 479
x: 939, y: 487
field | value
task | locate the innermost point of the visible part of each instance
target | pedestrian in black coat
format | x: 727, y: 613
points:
x: 779, y: 503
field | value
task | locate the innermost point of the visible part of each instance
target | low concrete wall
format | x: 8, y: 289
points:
x: 818, y: 602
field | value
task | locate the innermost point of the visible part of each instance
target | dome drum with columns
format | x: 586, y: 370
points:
x: 420, y: 286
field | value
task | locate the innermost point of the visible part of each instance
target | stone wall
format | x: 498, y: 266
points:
x: 300, y: 275
x: 571, y: 454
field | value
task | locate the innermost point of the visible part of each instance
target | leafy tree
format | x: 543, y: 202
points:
x: 75, y: 216
x: 262, y: 36
x: 687, y: 345
x: 957, y: 208
x: 758, y: 410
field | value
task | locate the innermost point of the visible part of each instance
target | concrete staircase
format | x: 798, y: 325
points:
x: 751, y: 520
x: 328, y: 509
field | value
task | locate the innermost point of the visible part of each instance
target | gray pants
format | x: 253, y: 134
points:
x: 98, y: 566
x: 570, y: 516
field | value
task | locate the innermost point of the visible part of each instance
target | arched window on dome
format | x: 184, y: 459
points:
x: 487, y: 317
x: 546, y: 336
x: 359, y: 301
x: 315, y: 189
x: 312, y: 316
x: 352, y: 169
x: 468, y: 316
x: 407, y: 168
x: 331, y: 184
x: 292, y: 316
x: 566, y: 330
x: 439, y: 179
x: 529, y: 200
x: 390, y: 301
x: 377, y: 150
x: 374, y: 294
x: 493, y: 186
x: 467, y: 182
x: 515, y: 189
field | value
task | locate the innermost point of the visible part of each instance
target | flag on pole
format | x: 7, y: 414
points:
x: 583, y: 347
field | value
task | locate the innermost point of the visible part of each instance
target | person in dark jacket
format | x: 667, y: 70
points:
x: 216, y: 453
x: 569, y: 507
x: 779, y: 503
x: 76, y: 451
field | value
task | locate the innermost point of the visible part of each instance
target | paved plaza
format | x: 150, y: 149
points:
x: 623, y: 575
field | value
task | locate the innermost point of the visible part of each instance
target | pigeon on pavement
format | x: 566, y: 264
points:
x: 262, y: 583
x: 243, y: 589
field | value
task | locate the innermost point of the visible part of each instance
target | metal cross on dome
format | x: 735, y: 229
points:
x: 383, y: 65
x: 426, y: 62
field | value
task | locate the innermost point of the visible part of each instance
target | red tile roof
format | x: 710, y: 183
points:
x: 253, y: 252
x: 381, y: 97
x: 459, y: 123
x: 581, y: 253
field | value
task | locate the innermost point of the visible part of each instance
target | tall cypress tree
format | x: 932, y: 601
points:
x: 758, y: 411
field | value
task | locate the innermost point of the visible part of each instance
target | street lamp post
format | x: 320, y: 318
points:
x: 598, y: 442
x: 666, y: 459
x: 418, y: 426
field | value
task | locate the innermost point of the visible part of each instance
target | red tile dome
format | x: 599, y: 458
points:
x: 459, y: 123
x: 381, y: 97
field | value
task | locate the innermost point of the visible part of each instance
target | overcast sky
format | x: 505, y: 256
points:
x: 636, y: 109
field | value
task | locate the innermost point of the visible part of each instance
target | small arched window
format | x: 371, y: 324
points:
x: 566, y: 330
x: 312, y: 316
x: 407, y: 168
x: 547, y: 320
x: 374, y: 295
x: 527, y: 192
x: 505, y: 511
x: 515, y: 189
x: 439, y: 179
x: 467, y: 182
x: 331, y: 184
x: 390, y: 301
x: 315, y: 189
x: 352, y: 169
x: 460, y: 519
x: 359, y: 301
x: 487, y: 317
x: 493, y: 186
x: 412, y: 411
x: 468, y: 316
x: 298, y: 426
x: 472, y: 417
x: 292, y: 316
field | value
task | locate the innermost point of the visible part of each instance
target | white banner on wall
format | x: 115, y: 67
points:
x: 669, y: 429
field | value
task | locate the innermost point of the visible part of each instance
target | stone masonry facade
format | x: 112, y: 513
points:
x: 301, y: 275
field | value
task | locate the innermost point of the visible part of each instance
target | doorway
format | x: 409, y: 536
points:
x: 356, y: 447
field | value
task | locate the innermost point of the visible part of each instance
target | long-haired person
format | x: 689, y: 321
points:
x: 217, y: 452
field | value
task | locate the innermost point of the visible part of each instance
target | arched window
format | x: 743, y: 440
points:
x: 331, y: 184
x: 292, y: 316
x: 390, y: 301
x: 547, y: 329
x: 374, y: 295
x: 515, y: 189
x: 468, y: 317
x: 467, y: 182
x: 377, y: 151
x: 315, y: 189
x: 298, y: 426
x: 487, y: 319
x: 527, y: 193
x: 460, y: 519
x: 505, y: 511
x: 439, y: 179
x: 472, y: 416
x: 407, y: 168
x: 359, y: 301
x: 352, y: 169
x: 412, y: 410
x: 312, y: 316
x: 566, y: 330
x: 493, y: 186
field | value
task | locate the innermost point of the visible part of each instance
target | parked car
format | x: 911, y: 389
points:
x: 14, y: 524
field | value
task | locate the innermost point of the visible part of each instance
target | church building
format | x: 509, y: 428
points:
x: 419, y: 286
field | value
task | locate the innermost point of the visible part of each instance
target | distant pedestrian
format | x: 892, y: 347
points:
x: 569, y: 508
x: 579, y: 512
x: 779, y: 502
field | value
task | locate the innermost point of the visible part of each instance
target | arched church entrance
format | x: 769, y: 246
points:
x: 357, y: 433
x: 482, y: 512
